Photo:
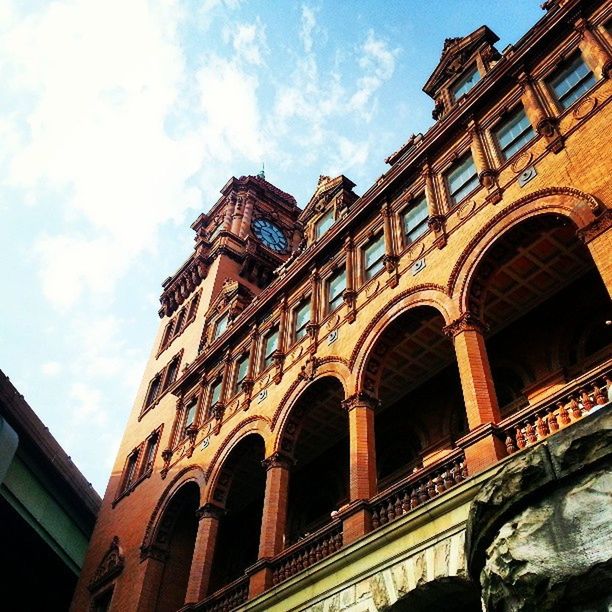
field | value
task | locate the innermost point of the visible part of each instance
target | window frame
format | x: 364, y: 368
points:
x: 338, y: 300
x: 215, y: 383
x: 472, y: 182
x: 368, y: 272
x: 152, y: 397
x: 562, y: 72
x: 320, y: 221
x: 191, y: 403
x: 242, y: 358
x: 412, y: 206
x: 130, y: 470
x: 151, y: 445
x: 216, y: 334
x: 299, y: 333
x: 504, y: 123
x: 463, y: 79
x: 266, y: 356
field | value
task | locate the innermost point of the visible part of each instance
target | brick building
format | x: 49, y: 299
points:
x: 330, y: 386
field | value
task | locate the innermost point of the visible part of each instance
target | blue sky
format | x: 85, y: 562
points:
x: 121, y: 120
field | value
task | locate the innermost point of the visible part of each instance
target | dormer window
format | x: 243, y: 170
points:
x: 324, y: 223
x: 466, y: 83
x: 220, y: 326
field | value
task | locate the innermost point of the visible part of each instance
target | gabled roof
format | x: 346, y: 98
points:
x: 455, y: 54
x: 327, y: 188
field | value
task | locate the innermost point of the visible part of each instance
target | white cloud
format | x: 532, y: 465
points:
x: 377, y: 63
x: 248, y: 41
x: 308, y: 25
x: 51, y: 368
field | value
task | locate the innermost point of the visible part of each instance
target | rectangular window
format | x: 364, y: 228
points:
x: 193, y: 307
x: 171, y: 372
x: 130, y: 469
x: 220, y: 326
x: 178, y: 325
x: 514, y: 133
x: 324, y: 223
x: 466, y: 83
x: 270, y: 346
x: 335, y: 288
x: 154, y: 388
x: 167, y: 335
x: 572, y: 81
x: 373, y: 254
x: 301, y: 318
x: 215, y: 392
x: 149, y: 456
x: 415, y: 220
x: 462, y: 178
x: 190, y: 415
x: 242, y: 369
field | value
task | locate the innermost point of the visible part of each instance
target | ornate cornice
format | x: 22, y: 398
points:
x: 179, y: 287
x: 361, y: 398
x: 466, y: 322
x: 109, y: 568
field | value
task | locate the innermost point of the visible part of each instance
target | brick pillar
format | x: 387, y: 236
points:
x: 155, y: 560
x: 203, y: 553
x: 482, y: 447
x: 248, y: 214
x: 362, y: 480
x: 273, y: 521
x: 598, y: 239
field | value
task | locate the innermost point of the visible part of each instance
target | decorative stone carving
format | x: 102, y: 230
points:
x: 466, y: 322
x: 597, y: 227
x: 278, y: 459
x: 109, y: 568
x: 361, y: 398
x: 309, y: 369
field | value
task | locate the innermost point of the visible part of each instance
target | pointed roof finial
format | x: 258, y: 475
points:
x: 262, y: 172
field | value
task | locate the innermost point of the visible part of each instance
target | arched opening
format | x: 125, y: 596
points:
x: 316, y: 434
x: 545, y: 306
x: 176, y: 536
x: 413, y: 372
x: 240, y: 490
x: 451, y: 594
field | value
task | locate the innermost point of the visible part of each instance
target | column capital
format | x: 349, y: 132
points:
x: 361, y: 398
x: 601, y: 224
x: 466, y: 322
x: 209, y: 510
x: 278, y: 459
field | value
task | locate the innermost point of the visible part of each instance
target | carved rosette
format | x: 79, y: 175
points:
x: 109, y: 568
x: 361, y: 398
x: 466, y: 322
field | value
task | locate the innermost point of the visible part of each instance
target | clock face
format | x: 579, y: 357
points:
x: 270, y: 234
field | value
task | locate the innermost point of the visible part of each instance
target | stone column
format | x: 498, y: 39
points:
x: 209, y: 516
x: 595, y: 53
x: 315, y: 293
x: 248, y: 214
x: 237, y: 215
x: 390, y: 259
x: 350, y: 295
x: 486, y: 174
x: 543, y: 122
x: 274, y: 520
x: 279, y: 353
x: 362, y: 479
x: 436, y: 220
x: 482, y: 446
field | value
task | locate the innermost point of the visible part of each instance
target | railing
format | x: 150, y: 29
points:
x: 226, y: 599
x: 307, y: 552
x: 571, y: 403
x: 418, y: 488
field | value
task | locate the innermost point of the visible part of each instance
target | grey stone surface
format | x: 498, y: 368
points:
x: 540, y: 532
